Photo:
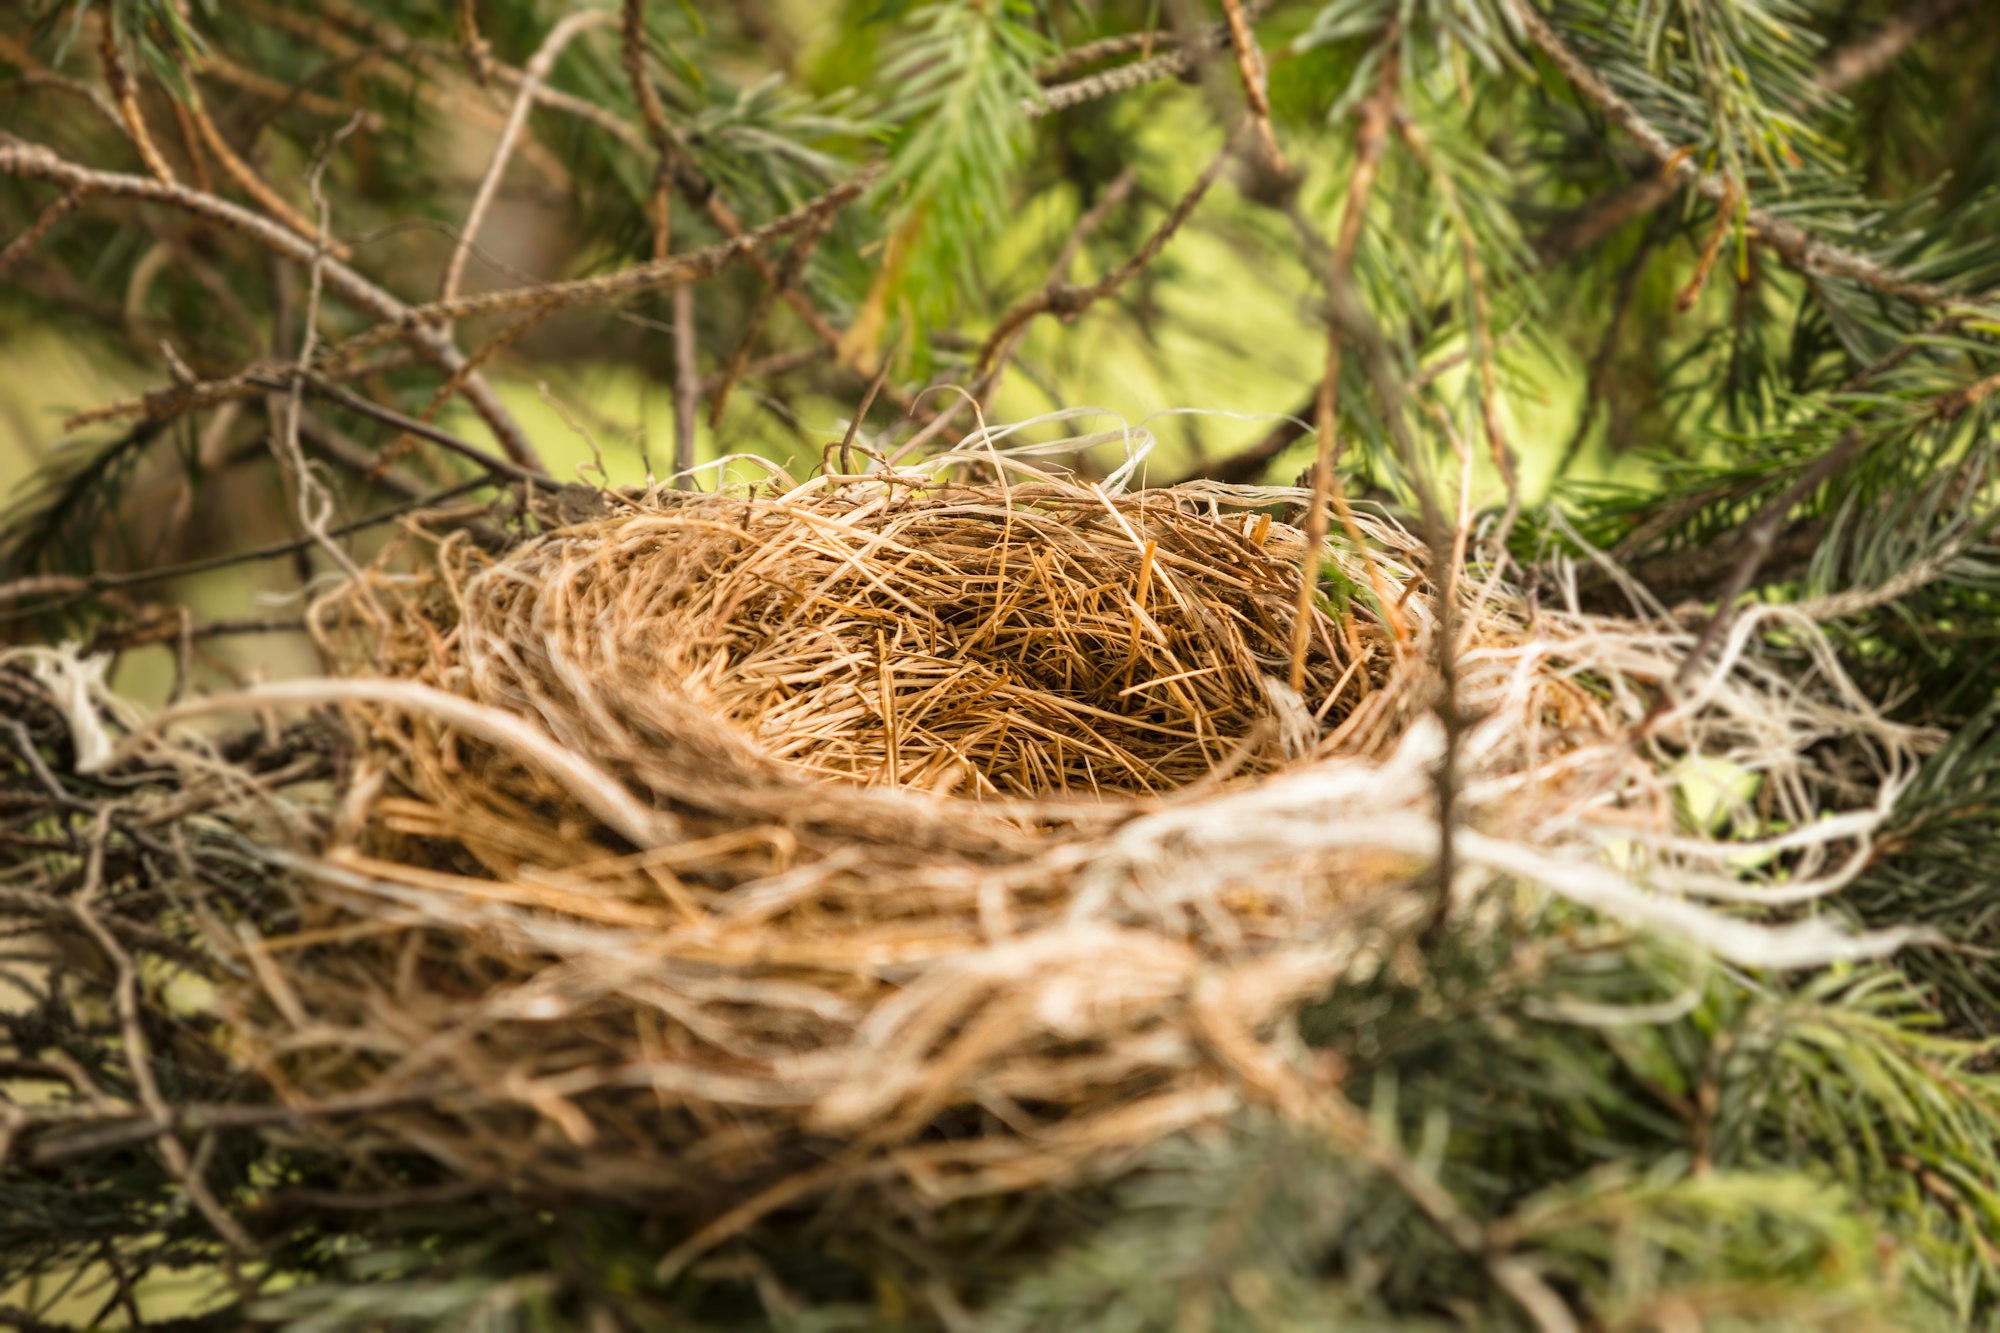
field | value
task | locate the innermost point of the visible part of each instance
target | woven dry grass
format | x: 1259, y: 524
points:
x: 743, y: 846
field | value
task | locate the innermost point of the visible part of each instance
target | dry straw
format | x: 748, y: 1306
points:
x: 739, y: 846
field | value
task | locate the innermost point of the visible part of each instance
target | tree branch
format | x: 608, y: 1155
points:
x: 28, y: 161
x: 1796, y: 246
x: 1846, y: 66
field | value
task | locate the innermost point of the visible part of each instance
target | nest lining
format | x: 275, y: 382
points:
x: 1054, y: 646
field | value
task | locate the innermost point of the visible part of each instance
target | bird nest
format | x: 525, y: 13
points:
x: 740, y: 846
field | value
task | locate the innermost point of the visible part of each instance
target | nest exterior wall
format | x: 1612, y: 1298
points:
x: 668, y: 856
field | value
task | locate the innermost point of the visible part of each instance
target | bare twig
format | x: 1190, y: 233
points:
x: 1841, y: 69
x: 659, y: 275
x: 36, y: 75
x: 1583, y: 227
x: 250, y: 182
x: 1250, y: 65
x: 125, y: 95
x: 717, y: 388
x: 138, y: 1051
x: 67, y: 590
x: 687, y: 385
x: 31, y: 235
x: 315, y: 502
x: 478, y: 52
x: 1068, y: 301
x: 212, y: 65
x: 1086, y: 226
x: 34, y: 162
x: 1725, y: 208
x: 532, y: 78
x: 1059, y: 69
x: 1370, y: 138
x: 388, y: 416
x: 653, y: 113
x: 1761, y: 533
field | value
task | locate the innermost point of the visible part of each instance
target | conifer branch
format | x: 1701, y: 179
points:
x: 1795, y: 245
x: 34, y: 162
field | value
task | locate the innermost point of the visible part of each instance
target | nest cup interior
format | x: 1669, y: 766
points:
x: 1059, y: 645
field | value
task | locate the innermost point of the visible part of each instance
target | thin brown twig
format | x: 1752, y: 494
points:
x: 1761, y: 533
x: 1754, y: 546
x: 31, y: 235
x: 35, y: 162
x: 138, y: 1051
x: 1841, y: 69
x: 250, y: 182
x: 315, y: 502
x: 1067, y: 301
x: 675, y: 163
x: 36, y: 75
x: 1060, y: 68
x: 512, y: 333
x: 354, y: 402
x: 1371, y: 137
x: 718, y: 387
x: 1247, y: 465
x: 1583, y: 227
x: 67, y: 590
x: 1250, y: 65
x: 1086, y: 226
x: 125, y: 95
x: 212, y: 65
x: 164, y: 629
x: 1575, y: 232
x: 191, y: 147
x: 658, y: 275
x: 1725, y: 209
x: 1354, y: 323
x: 537, y: 72
x: 653, y: 114
x: 478, y: 51
x: 401, y: 63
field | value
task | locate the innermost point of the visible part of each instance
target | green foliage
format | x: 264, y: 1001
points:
x: 1651, y: 1135
x: 959, y: 79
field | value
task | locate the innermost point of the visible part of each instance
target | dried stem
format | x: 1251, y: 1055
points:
x: 31, y: 235
x: 687, y: 384
x: 658, y: 275
x: 1371, y: 136
x: 1859, y: 61
x: 1250, y: 65
x: 34, y: 162
x: 1069, y: 301
x: 532, y: 78
x: 125, y: 95
x: 250, y: 182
